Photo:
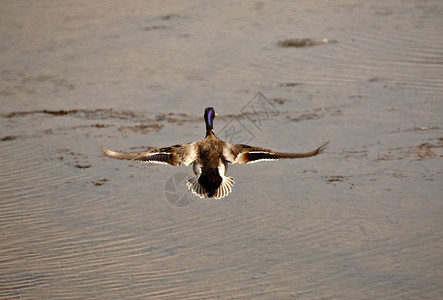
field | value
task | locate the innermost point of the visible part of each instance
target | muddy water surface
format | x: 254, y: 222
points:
x: 361, y: 221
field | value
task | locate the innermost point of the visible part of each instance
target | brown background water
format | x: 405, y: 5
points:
x: 363, y: 220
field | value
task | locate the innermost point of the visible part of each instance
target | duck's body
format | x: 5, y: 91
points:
x: 210, y: 158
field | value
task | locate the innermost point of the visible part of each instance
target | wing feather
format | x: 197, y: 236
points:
x: 243, y: 154
x: 173, y: 155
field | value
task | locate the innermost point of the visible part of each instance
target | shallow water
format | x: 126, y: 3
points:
x: 363, y: 220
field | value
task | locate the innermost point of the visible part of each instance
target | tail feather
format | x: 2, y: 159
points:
x: 196, y: 188
x: 222, y: 191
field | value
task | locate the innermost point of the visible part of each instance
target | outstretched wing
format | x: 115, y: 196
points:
x: 173, y: 155
x: 244, y: 154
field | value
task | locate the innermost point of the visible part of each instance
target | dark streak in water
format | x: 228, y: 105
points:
x: 303, y: 43
x: 9, y: 138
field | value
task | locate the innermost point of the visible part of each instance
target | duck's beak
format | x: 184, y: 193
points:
x: 216, y: 114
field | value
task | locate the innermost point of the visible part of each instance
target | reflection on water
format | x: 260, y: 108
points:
x: 363, y: 220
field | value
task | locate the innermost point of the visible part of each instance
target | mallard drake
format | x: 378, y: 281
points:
x: 210, y: 158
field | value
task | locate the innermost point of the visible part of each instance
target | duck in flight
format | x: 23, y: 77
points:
x: 209, y: 158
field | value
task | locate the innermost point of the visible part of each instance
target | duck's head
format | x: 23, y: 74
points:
x: 209, y: 118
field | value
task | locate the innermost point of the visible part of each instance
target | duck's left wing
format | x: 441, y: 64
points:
x: 173, y: 155
x: 244, y: 154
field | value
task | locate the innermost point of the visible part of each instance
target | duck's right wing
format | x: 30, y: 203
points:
x: 244, y: 154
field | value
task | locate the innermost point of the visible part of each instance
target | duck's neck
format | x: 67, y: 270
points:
x: 209, y: 131
x: 209, y: 125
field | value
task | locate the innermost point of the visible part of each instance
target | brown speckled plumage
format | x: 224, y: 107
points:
x: 210, y: 158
